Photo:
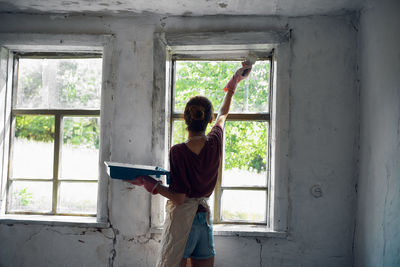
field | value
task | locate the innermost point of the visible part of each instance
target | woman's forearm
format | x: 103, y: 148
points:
x: 177, y: 198
x: 226, y: 104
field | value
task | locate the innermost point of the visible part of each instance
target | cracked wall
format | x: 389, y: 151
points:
x: 323, y: 144
x: 377, y: 241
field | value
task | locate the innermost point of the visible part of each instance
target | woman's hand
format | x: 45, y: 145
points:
x: 155, y: 187
x: 244, y: 71
x: 149, y: 183
x: 239, y: 75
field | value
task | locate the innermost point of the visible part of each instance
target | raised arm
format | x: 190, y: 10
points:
x: 230, y: 89
x: 224, y: 109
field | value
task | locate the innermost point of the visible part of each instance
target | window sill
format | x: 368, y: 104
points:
x: 246, y: 231
x: 239, y: 230
x: 53, y: 220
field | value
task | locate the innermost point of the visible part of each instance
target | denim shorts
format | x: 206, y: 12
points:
x: 200, y: 243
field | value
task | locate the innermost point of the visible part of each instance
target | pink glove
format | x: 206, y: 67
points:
x: 150, y: 184
x: 239, y: 75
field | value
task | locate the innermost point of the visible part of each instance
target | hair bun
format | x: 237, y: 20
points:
x: 197, y: 112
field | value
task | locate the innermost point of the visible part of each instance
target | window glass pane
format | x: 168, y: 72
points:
x: 246, y: 144
x: 33, y: 147
x: 244, y: 205
x: 77, y: 197
x: 30, y: 196
x: 59, y: 83
x: 208, y: 78
x: 211, y: 203
x: 80, y: 148
x: 179, y: 134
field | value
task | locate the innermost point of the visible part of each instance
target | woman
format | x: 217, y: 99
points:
x: 193, y: 171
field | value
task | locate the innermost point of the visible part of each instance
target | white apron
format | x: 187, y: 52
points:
x: 178, y: 222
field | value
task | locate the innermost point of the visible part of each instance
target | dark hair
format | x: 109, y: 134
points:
x: 198, y: 113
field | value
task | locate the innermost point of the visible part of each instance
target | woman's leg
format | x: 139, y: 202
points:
x: 203, y: 263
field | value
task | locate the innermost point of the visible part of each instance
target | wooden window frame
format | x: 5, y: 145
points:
x: 235, y: 116
x: 58, y: 114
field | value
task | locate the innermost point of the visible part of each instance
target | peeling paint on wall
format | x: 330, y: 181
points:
x: 322, y: 98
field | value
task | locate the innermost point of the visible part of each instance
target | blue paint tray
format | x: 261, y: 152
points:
x: 126, y: 171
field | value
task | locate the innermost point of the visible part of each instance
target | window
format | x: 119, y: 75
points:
x: 273, y: 48
x: 54, y: 139
x: 241, y: 194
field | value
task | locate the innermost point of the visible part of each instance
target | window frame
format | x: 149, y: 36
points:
x: 63, y: 43
x: 217, y: 43
x: 59, y: 115
x: 233, y: 116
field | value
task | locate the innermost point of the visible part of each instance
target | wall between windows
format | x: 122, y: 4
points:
x: 323, y: 133
x: 377, y: 240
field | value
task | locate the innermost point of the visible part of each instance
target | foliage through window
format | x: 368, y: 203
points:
x: 55, y: 135
x: 242, y: 191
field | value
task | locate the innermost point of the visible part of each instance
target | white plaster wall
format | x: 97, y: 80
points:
x: 182, y: 7
x: 378, y: 216
x: 323, y: 145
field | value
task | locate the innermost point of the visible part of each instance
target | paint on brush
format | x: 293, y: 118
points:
x: 250, y: 60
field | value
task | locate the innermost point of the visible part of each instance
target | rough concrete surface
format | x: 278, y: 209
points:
x: 323, y: 133
x: 181, y: 7
x: 377, y: 240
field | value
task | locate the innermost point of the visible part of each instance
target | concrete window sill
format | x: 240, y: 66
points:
x: 239, y: 230
x: 246, y: 231
x: 53, y: 220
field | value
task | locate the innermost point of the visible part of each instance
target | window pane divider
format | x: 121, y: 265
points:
x: 77, y: 181
x: 241, y: 222
x: 50, y: 213
x: 261, y: 188
x: 66, y: 112
x: 58, y: 55
x: 217, y: 190
x: 57, y: 149
x: 50, y: 180
x: 30, y: 180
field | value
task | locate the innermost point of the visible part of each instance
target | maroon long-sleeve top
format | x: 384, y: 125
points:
x: 196, y: 175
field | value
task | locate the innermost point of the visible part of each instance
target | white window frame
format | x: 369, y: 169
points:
x: 229, y: 45
x: 264, y: 116
x: 58, y: 115
x: 60, y: 43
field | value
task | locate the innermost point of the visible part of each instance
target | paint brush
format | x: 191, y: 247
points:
x: 250, y: 60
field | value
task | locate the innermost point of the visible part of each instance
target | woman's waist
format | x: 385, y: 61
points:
x: 201, y: 208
